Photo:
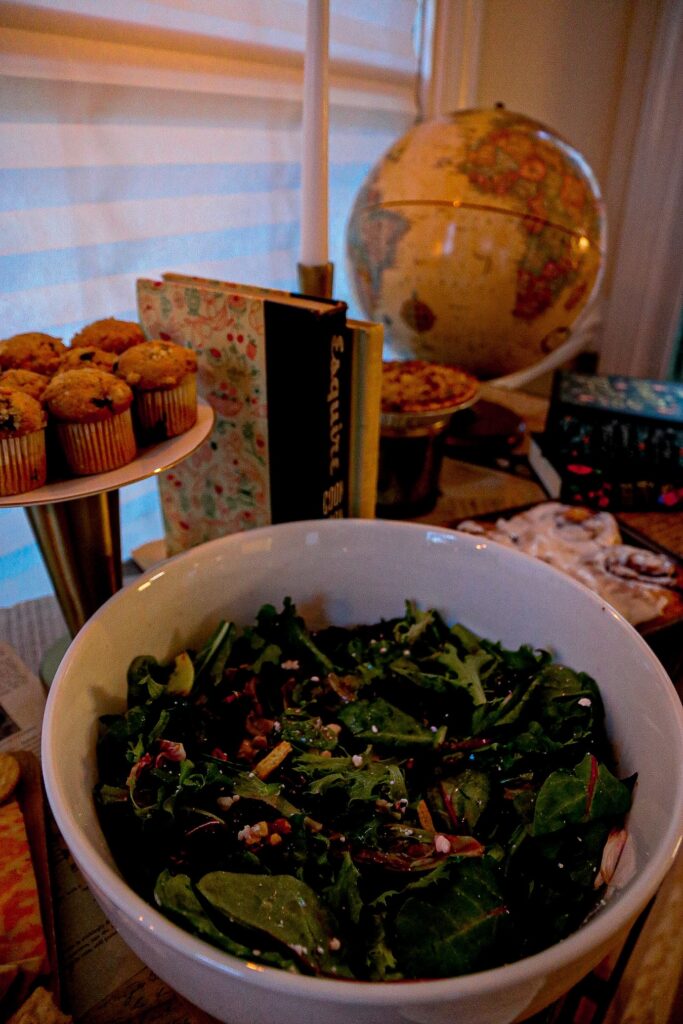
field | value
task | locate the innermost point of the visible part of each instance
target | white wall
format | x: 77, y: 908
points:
x: 560, y: 61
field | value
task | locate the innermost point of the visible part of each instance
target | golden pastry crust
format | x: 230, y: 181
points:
x: 20, y: 414
x: 156, y: 365
x: 84, y: 356
x: 110, y: 334
x: 28, y: 381
x: 87, y: 396
x: 32, y: 351
x: 10, y: 773
x: 40, y: 1008
x: 415, y: 386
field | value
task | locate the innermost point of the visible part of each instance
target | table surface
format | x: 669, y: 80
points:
x: 650, y: 988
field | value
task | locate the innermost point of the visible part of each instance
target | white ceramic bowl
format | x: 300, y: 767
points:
x: 346, y: 572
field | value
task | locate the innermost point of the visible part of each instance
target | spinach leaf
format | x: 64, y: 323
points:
x: 460, y: 800
x: 301, y: 730
x: 175, y: 895
x: 506, y: 711
x: 212, y: 658
x: 284, y: 908
x: 288, y: 630
x: 146, y: 679
x: 344, y: 895
x: 380, y: 722
x: 584, y: 793
x: 452, y: 926
x: 568, y: 705
x: 245, y: 784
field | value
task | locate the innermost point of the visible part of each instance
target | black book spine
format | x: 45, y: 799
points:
x: 308, y: 374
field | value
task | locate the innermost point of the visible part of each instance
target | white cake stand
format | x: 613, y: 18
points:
x: 76, y: 524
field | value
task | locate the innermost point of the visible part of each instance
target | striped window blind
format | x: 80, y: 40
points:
x: 138, y: 136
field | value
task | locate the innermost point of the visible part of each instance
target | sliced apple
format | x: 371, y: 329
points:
x: 181, y: 680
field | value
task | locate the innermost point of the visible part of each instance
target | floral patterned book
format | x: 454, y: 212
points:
x: 277, y: 368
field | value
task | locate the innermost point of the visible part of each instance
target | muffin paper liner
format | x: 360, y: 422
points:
x: 100, y: 446
x: 23, y: 463
x: 171, y: 412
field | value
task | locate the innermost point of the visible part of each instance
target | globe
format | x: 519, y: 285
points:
x: 477, y: 239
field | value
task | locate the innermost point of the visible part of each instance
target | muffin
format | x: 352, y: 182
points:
x: 33, y: 351
x: 91, y: 410
x: 28, y: 381
x: 23, y: 464
x: 84, y: 356
x: 109, y: 334
x: 163, y: 376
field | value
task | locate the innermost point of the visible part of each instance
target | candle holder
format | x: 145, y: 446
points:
x: 316, y: 279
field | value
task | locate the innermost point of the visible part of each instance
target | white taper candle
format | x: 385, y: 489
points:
x: 314, y: 167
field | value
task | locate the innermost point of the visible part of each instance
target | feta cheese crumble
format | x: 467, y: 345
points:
x: 441, y: 844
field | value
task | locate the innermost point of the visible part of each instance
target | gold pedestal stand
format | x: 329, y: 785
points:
x: 80, y: 543
x: 76, y: 524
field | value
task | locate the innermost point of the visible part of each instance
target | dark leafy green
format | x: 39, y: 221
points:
x: 461, y: 918
x: 400, y: 800
x: 576, y: 795
x: 276, y: 907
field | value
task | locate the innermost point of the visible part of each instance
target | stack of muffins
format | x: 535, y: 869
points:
x: 85, y: 408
